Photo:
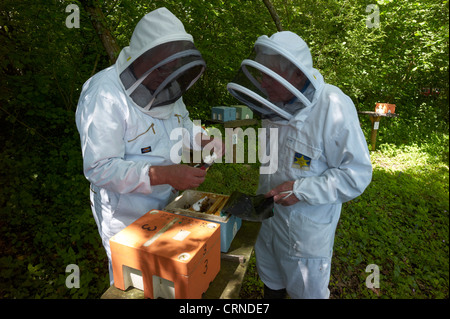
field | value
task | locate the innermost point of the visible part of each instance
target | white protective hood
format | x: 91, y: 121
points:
x: 160, y: 63
x: 266, y: 70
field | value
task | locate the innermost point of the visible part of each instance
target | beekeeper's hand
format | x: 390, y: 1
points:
x: 283, y: 194
x: 179, y: 176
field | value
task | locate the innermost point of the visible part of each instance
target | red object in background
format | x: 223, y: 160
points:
x: 426, y: 91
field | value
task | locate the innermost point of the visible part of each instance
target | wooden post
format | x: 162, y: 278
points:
x: 375, y: 118
x: 375, y: 125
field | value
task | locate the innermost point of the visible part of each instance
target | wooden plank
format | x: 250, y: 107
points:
x: 235, y: 123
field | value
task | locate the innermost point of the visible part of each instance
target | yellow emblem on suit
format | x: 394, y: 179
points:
x: 301, y: 162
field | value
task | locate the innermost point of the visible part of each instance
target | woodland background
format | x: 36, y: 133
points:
x: 45, y: 218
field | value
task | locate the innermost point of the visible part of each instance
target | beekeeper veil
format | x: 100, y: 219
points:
x: 160, y: 64
x: 278, y: 79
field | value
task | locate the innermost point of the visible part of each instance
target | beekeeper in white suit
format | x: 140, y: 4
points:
x: 324, y: 162
x: 125, y: 117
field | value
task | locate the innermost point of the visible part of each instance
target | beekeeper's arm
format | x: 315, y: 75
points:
x: 171, y: 174
x: 101, y: 123
x: 349, y: 173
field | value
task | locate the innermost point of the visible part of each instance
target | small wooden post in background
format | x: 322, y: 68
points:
x: 381, y: 110
x: 375, y: 125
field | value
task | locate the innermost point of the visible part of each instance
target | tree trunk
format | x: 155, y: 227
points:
x: 274, y: 14
x: 100, y: 26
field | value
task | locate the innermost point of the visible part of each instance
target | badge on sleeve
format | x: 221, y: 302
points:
x: 301, y: 162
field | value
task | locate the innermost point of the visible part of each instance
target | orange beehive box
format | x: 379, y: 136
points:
x: 385, y: 108
x: 166, y: 255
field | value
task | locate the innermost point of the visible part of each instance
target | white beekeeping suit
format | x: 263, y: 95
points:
x: 324, y: 161
x: 125, y: 116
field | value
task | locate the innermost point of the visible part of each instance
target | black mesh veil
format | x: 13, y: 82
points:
x: 161, y: 75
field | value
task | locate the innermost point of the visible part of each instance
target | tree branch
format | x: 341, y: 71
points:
x: 100, y: 26
x: 274, y: 14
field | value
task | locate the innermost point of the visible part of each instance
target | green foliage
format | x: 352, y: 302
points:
x: 46, y: 223
x: 400, y: 223
x: 252, y: 286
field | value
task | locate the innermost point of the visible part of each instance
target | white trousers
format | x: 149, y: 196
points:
x: 296, y: 256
